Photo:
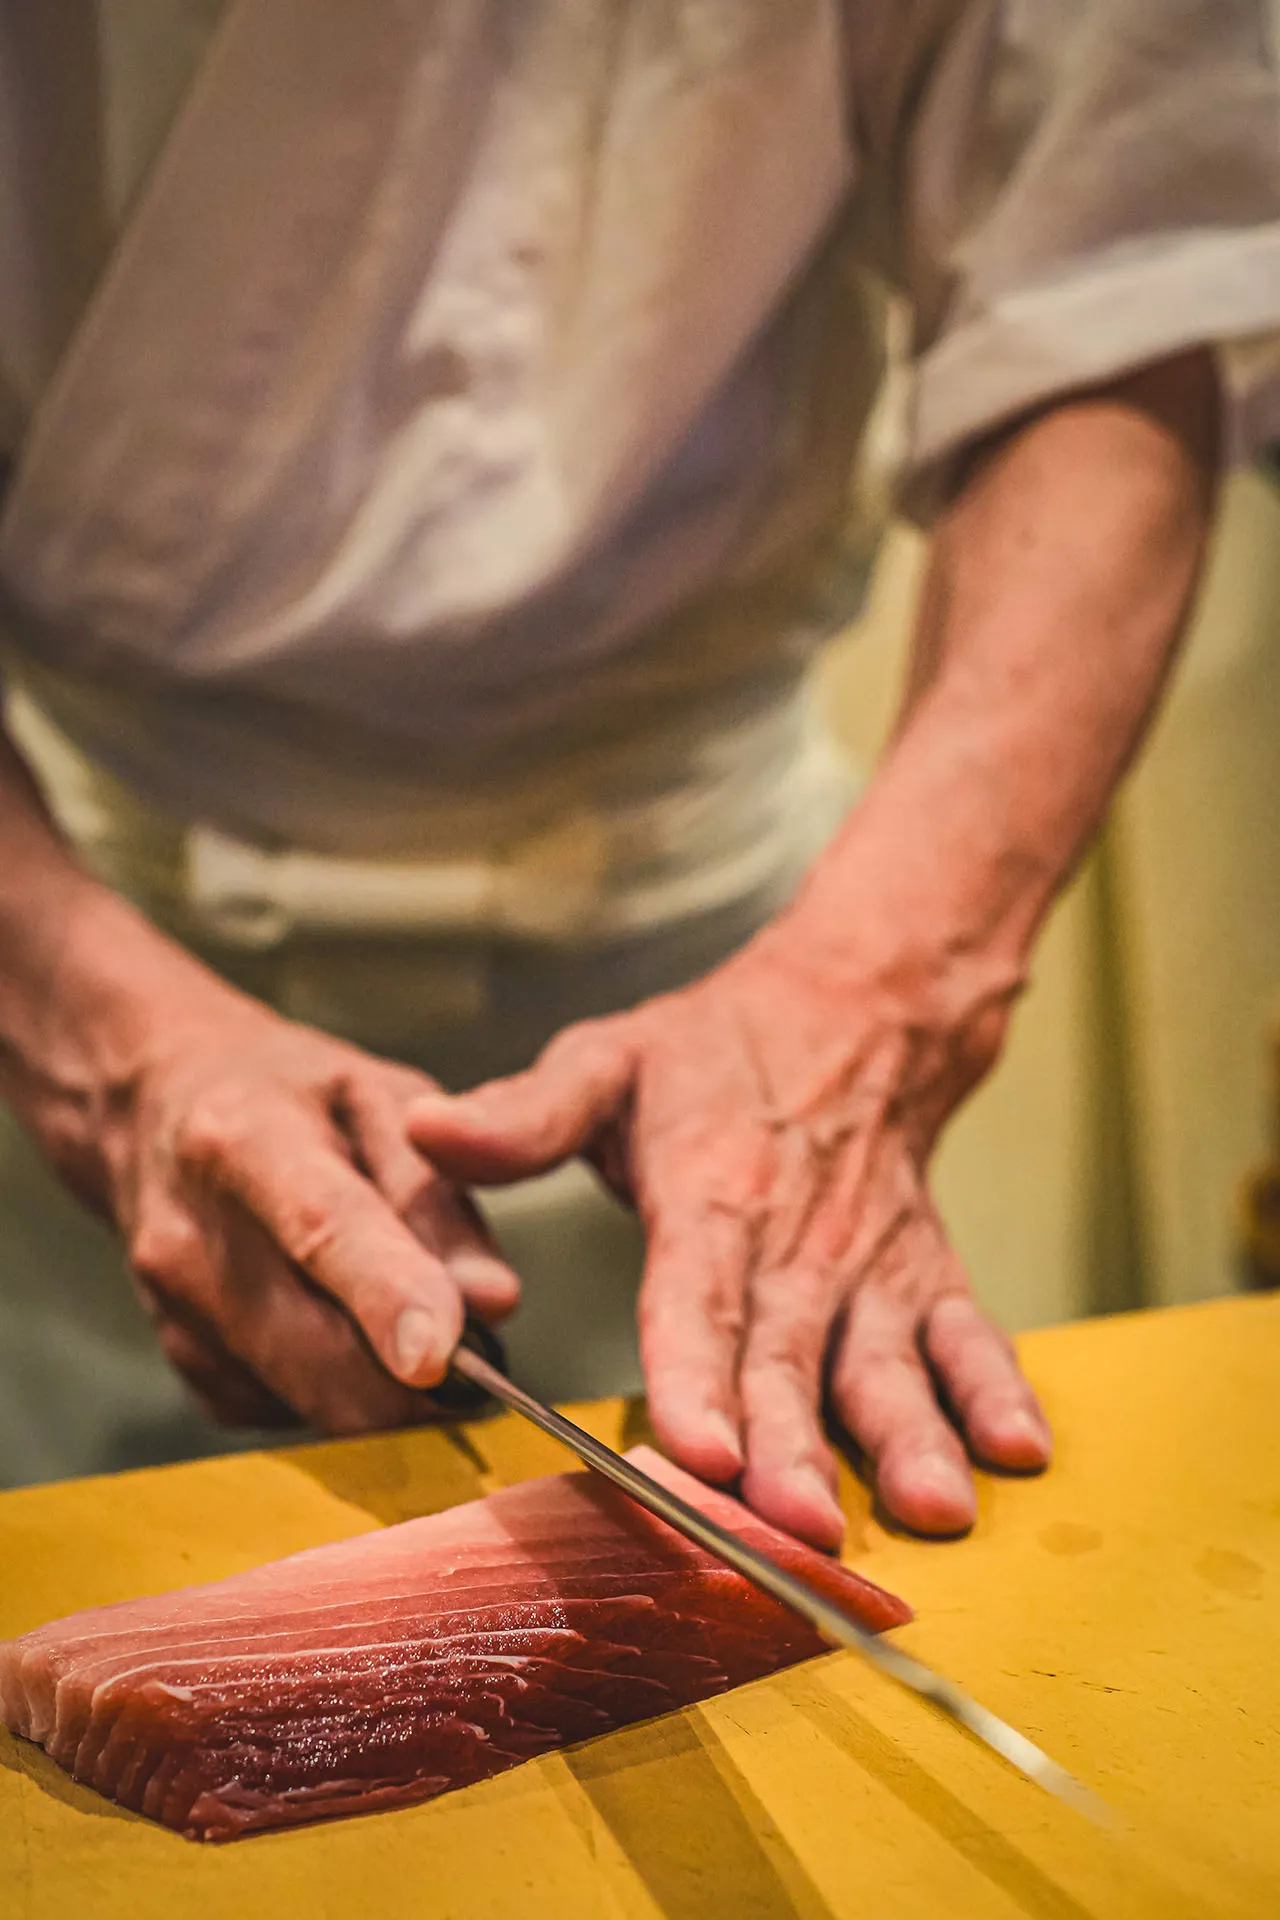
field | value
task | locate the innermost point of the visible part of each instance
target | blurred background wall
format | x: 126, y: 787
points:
x: 1099, y: 1167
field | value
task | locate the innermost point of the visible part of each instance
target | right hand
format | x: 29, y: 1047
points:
x: 299, y: 1258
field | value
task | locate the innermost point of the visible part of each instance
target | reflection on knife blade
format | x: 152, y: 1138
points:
x: 836, y: 1626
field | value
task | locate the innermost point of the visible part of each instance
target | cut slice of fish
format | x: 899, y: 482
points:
x: 383, y: 1670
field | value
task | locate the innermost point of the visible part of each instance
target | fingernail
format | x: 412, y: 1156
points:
x: 717, y: 1428
x: 812, y: 1488
x: 416, y: 1341
x: 942, y: 1471
x: 1022, y: 1425
x: 938, y: 1474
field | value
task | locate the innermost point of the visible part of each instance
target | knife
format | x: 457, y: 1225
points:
x: 836, y: 1626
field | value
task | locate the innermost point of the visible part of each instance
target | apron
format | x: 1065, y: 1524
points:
x: 649, y: 803
x: 420, y: 471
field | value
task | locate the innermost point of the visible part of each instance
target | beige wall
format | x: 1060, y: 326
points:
x: 1198, y: 867
x: 1098, y: 1167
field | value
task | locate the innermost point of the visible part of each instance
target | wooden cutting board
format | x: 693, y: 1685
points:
x: 1124, y: 1610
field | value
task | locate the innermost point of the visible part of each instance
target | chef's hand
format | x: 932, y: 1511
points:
x: 774, y: 1123
x: 296, y: 1254
x: 773, y: 1128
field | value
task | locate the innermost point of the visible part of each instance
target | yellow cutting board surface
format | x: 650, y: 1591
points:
x: 1124, y: 1610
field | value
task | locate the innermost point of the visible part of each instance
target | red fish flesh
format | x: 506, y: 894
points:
x: 382, y: 1670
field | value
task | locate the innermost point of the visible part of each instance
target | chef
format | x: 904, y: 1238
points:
x: 433, y: 433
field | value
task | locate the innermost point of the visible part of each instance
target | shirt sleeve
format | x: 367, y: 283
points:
x: 1074, y: 188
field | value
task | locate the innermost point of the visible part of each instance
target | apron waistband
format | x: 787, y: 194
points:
x: 754, y: 799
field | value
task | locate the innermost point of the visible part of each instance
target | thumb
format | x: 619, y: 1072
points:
x: 512, y: 1129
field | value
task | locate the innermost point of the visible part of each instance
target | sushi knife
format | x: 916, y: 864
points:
x: 836, y: 1626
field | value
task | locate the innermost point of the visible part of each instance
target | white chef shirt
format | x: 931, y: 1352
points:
x: 477, y: 384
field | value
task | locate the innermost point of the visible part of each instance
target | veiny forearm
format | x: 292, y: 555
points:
x: 1059, y: 588
x: 773, y: 1121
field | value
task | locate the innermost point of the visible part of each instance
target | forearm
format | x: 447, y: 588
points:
x: 1059, y: 587
x: 83, y: 977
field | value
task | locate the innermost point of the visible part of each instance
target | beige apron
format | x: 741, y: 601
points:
x: 459, y: 923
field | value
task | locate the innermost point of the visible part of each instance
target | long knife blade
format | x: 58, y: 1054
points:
x: 838, y: 1628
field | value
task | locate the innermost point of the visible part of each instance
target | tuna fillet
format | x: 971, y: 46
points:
x: 382, y: 1670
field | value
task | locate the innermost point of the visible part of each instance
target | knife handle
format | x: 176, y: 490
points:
x: 460, y: 1399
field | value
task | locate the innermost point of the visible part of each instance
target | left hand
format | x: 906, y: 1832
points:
x: 773, y: 1127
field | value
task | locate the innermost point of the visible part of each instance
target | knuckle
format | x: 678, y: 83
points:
x: 209, y: 1131
x: 418, y: 1193
x: 311, y: 1230
x: 583, y: 1050
x: 959, y: 1330
x: 871, y: 1378
x: 793, y: 1351
x: 725, y: 1314
x: 405, y: 1084
x: 573, y: 1043
x: 792, y: 1318
x: 693, y: 1340
x: 670, y: 1307
x: 162, y: 1251
x: 883, y: 1362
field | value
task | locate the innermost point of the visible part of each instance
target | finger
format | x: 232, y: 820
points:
x: 279, y: 1353
x: 452, y: 1225
x: 883, y: 1395
x: 976, y: 1366
x: 373, y: 1119
x: 282, y: 1164
x: 790, y: 1477
x: 516, y: 1128
x: 302, y: 1345
x: 227, y: 1390
x: 172, y: 1271
x: 691, y: 1312
x: 446, y: 1222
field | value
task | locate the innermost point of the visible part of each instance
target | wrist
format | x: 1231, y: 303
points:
x: 942, y: 943
x: 1058, y: 587
x: 87, y: 988
x: 886, y: 1008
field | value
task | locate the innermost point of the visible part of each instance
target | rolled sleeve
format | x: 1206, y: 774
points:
x: 1085, y: 186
